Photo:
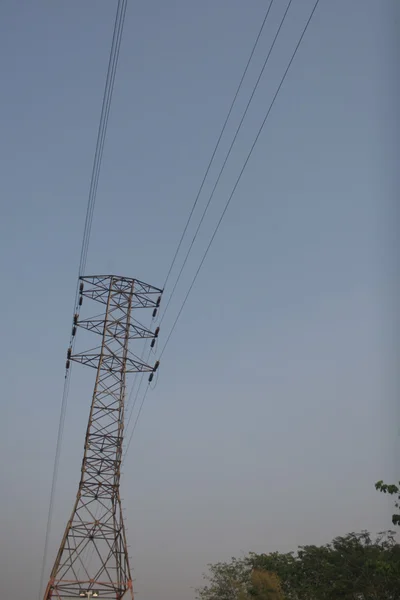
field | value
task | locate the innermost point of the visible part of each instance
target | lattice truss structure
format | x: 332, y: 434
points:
x: 93, y: 559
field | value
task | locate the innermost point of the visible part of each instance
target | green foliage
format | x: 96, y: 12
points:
x: 226, y: 581
x: 393, y: 490
x: 352, y: 567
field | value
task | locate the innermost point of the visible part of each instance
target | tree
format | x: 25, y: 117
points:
x: 283, y: 565
x: 226, y: 581
x: 351, y: 567
x: 393, y: 490
x: 237, y: 580
x: 264, y: 585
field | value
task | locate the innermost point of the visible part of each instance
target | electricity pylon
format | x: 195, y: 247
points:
x: 92, y: 560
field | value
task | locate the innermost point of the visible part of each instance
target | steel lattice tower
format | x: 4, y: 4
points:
x: 92, y: 560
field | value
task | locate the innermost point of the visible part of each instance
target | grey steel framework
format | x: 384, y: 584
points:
x: 93, y: 560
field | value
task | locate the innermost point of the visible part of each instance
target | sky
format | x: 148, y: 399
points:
x: 275, y: 410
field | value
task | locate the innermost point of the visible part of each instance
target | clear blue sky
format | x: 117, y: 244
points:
x: 275, y: 410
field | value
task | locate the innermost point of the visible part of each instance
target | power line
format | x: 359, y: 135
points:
x: 105, y: 111
x: 240, y: 176
x: 107, y: 96
x: 54, y: 478
x: 138, y: 389
x: 218, y: 142
x: 229, y: 200
x: 197, y: 198
x: 226, y: 158
x: 130, y: 406
x: 136, y: 422
x: 222, y: 168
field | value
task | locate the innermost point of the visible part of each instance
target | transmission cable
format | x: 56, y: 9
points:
x: 218, y: 178
x: 226, y: 159
x: 108, y: 91
x: 199, y: 193
x: 105, y: 112
x: 239, y: 177
x: 135, y: 423
x: 231, y: 196
x: 218, y: 142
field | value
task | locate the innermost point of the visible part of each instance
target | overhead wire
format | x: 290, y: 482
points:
x: 107, y: 96
x: 131, y: 405
x: 132, y: 408
x: 135, y: 423
x: 239, y: 177
x: 229, y: 201
x: 217, y: 144
x: 222, y: 169
x: 105, y: 112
